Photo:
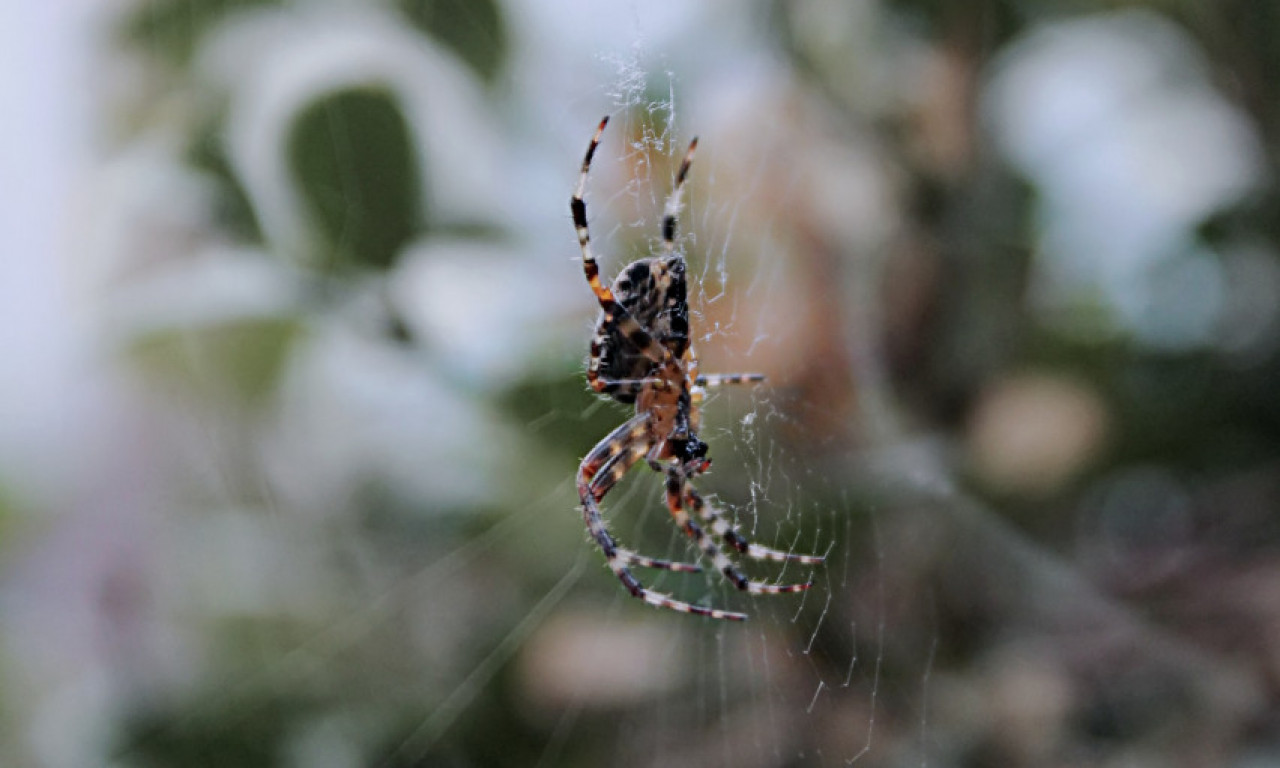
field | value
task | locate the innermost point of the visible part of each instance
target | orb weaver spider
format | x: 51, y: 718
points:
x: 641, y: 354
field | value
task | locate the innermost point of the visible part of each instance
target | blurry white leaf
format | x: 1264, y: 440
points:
x: 483, y: 310
x: 274, y: 64
x: 1115, y: 120
x: 355, y: 409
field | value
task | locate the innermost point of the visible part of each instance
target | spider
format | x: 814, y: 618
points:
x: 641, y: 355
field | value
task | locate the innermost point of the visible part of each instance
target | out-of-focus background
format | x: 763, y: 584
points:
x: 292, y: 396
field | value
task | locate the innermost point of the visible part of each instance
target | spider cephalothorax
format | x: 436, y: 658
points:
x: 641, y: 354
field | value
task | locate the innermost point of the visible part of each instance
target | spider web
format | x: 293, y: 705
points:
x: 800, y: 681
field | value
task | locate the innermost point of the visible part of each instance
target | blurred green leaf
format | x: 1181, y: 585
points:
x: 563, y: 413
x: 8, y: 517
x: 472, y: 28
x: 171, y: 29
x: 215, y: 738
x: 241, y: 358
x: 354, y: 160
x: 233, y: 211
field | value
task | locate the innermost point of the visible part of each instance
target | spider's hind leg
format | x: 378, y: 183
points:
x: 618, y: 560
x: 677, y: 487
x: 605, y: 477
x: 602, y: 468
x: 721, y: 526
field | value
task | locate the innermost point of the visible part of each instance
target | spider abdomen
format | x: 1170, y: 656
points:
x: 654, y: 292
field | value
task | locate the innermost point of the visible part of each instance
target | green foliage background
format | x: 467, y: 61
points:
x: 332, y: 528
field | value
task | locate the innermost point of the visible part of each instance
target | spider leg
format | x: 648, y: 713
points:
x: 606, y: 386
x: 630, y: 557
x: 630, y: 387
x: 618, y: 559
x: 721, y: 526
x: 719, y: 379
x: 606, y: 476
x: 672, y: 208
x: 614, y: 313
x: 675, y: 486
x: 607, y: 462
x: 635, y: 429
x: 614, y: 468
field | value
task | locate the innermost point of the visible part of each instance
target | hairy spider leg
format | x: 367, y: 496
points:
x: 721, y: 379
x: 607, y: 386
x: 624, y: 448
x: 617, y: 453
x: 676, y: 486
x: 607, y: 476
x: 721, y: 526
x: 618, y: 564
x: 672, y: 208
x: 615, y: 315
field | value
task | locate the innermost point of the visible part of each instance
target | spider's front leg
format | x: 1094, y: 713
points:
x: 615, y: 314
